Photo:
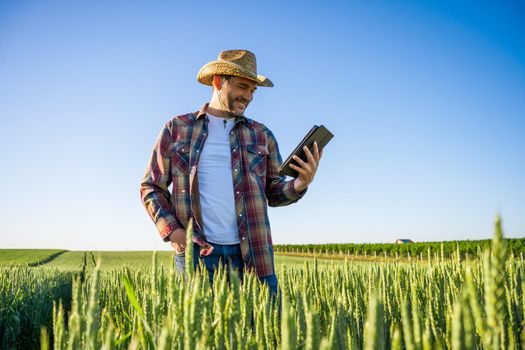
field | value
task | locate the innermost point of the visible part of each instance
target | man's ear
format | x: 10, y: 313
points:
x: 217, y: 82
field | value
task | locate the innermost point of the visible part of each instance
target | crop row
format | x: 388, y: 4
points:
x: 445, y: 249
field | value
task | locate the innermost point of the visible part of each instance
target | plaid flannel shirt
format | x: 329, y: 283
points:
x: 255, y: 159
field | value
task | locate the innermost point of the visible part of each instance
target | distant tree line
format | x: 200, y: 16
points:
x: 445, y: 249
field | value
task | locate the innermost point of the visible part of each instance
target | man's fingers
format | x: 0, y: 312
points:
x: 316, y: 153
x: 300, y: 170
x: 179, y: 246
x: 307, y: 170
x: 301, y: 162
x: 179, y: 249
x: 310, y: 157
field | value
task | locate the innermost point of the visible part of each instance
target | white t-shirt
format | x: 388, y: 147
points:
x: 216, y: 184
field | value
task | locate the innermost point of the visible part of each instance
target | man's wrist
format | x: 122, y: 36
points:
x: 298, y: 187
x: 167, y: 230
x: 172, y: 236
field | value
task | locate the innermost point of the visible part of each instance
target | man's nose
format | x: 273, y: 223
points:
x: 248, y: 95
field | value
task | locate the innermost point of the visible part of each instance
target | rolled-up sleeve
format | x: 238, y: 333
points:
x: 154, y: 191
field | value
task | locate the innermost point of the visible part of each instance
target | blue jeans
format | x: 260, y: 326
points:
x: 223, y: 254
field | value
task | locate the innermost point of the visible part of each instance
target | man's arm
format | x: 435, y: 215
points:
x: 154, y: 191
x: 279, y: 192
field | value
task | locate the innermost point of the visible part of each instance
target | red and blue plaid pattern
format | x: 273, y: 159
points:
x: 257, y: 184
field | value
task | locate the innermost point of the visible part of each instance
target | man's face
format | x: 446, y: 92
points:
x: 237, y: 93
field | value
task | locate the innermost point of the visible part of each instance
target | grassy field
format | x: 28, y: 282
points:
x: 12, y: 257
x: 73, y: 260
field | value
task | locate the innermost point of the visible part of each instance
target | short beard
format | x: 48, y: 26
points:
x: 231, y: 102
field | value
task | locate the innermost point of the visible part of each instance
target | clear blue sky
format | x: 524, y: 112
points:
x: 426, y: 101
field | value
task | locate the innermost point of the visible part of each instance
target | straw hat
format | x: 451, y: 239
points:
x: 239, y: 63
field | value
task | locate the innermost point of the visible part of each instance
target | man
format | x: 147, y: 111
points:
x: 223, y: 167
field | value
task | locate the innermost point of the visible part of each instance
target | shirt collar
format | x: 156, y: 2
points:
x: 202, y: 113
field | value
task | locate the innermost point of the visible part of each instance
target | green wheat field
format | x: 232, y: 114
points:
x: 135, y: 300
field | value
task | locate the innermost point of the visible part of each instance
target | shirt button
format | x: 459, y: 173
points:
x: 235, y: 149
x: 243, y: 238
x: 183, y: 191
x: 240, y: 215
x: 238, y: 192
x: 235, y: 170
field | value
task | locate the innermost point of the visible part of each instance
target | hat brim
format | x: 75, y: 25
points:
x: 206, y: 73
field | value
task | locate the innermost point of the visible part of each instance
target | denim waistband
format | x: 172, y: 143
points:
x: 224, y: 245
x: 226, y: 249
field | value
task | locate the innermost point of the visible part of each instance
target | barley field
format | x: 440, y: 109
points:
x: 433, y: 304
